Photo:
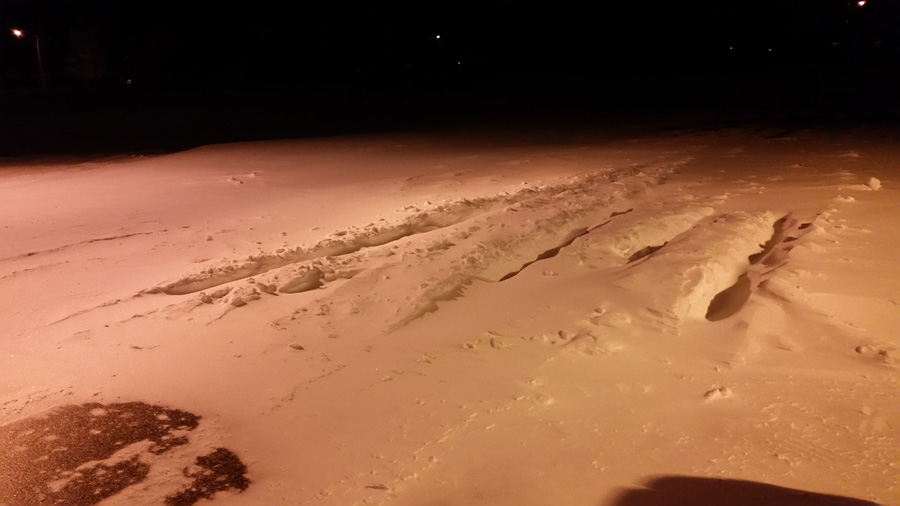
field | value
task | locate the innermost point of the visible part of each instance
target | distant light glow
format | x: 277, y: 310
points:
x: 437, y: 36
x: 861, y: 3
x: 17, y: 32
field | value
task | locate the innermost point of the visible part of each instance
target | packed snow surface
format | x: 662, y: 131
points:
x: 457, y: 319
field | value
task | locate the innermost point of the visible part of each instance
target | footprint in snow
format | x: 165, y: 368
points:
x: 718, y: 394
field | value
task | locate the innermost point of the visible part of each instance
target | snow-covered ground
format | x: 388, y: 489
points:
x: 458, y: 319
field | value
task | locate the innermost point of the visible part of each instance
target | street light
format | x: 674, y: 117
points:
x: 37, y: 46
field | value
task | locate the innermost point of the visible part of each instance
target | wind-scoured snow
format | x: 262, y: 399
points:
x: 454, y: 319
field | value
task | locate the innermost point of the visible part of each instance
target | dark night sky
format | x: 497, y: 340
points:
x: 169, y: 43
x: 361, y: 55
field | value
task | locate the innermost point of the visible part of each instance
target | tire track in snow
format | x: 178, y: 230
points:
x: 611, y: 234
x: 595, y: 217
x: 406, y: 271
x: 442, y: 217
x: 439, y: 265
x: 80, y: 243
x: 569, y: 239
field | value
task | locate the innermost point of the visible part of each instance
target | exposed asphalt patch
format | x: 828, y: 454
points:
x: 79, y: 455
x: 217, y: 471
